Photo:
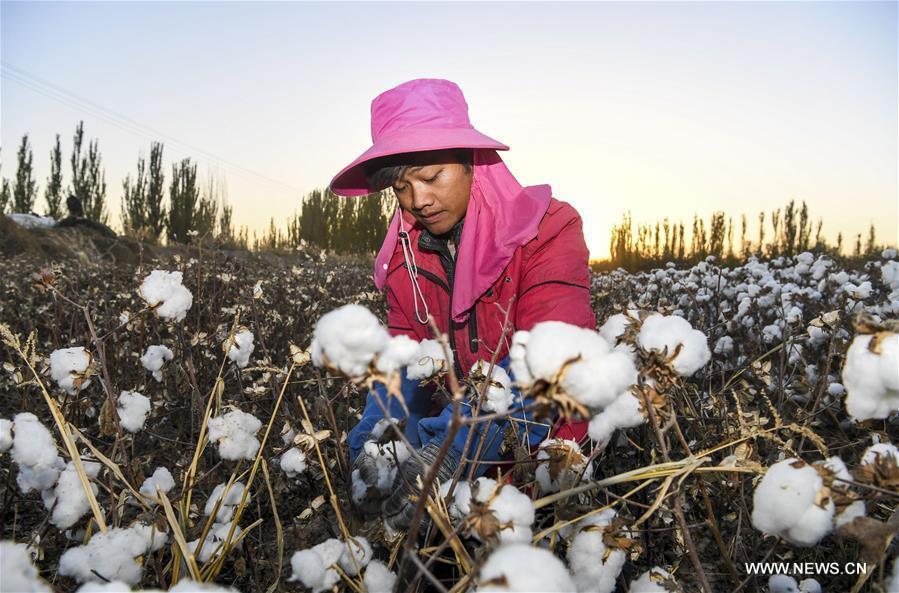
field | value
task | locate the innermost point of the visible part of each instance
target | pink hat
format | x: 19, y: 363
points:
x: 418, y: 115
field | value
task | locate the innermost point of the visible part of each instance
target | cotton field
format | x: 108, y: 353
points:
x: 181, y: 425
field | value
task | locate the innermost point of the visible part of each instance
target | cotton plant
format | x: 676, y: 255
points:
x: 183, y: 586
x: 234, y: 434
x: 781, y: 583
x: 71, y: 368
x: 67, y: 498
x: 491, y: 511
x: 378, y: 578
x: 684, y: 348
x: 112, y: 555
x: 34, y: 451
x: 348, y: 339
x: 522, y: 567
x: 154, y: 358
x: 381, y: 457
x: 594, y: 555
x: 227, y: 498
x: 401, y: 351
x: 5, y: 435
x: 214, y: 543
x: 17, y: 573
x: 240, y: 346
x: 879, y: 465
x: 292, y: 462
x: 561, y: 465
x: 166, y: 295
x: 870, y: 376
x: 655, y: 580
x: 626, y: 411
x: 162, y: 480
x: 314, y: 567
x: 792, y: 502
x: 498, y: 396
x: 432, y: 361
x: 133, y: 409
x: 836, y: 476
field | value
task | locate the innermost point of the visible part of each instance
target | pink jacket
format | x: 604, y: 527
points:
x: 547, y: 278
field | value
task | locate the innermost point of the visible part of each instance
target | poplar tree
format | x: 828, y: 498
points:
x: 53, y: 193
x: 25, y: 190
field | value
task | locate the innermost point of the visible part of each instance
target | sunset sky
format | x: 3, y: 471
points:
x: 663, y: 109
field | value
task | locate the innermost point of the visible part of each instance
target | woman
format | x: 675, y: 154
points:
x: 470, y: 247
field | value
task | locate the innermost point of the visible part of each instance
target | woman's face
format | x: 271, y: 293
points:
x: 435, y: 188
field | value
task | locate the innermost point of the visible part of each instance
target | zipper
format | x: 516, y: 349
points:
x: 448, y: 288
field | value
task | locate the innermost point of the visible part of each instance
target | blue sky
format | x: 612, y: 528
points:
x: 663, y: 109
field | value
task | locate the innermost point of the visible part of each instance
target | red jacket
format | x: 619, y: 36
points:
x: 549, y: 278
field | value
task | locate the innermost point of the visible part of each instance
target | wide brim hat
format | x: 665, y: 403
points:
x: 416, y: 116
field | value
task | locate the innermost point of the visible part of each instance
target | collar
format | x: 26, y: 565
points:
x: 431, y: 242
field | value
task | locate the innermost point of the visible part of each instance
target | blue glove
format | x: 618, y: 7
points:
x: 418, y: 401
x: 433, y: 430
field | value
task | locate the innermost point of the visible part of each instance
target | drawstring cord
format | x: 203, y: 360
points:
x: 412, y: 268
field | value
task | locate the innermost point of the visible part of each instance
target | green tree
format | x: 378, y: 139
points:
x: 53, y: 193
x: 183, y: 197
x: 155, y: 213
x: 25, y: 190
x: 134, y: 201
x: 88, y: 178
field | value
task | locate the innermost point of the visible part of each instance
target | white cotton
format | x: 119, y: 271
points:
x: 5, y: 435
x: 68, y: 367
x: 68, y: 499
x: 356, y: 554
x: 164, y: 292
x: 17, y: 573
x: 517, y: 358
x: 841, y: 473
x: 348, y: 338
x: 521, y: 567
x: 154, y: 358
x: 111, y: 555
x: 624, y: 412
x: 668, y: 333
x: 561, y: 464
x: 241, y: 347
x: 234, y: 433
x: 228, y: 503
x: 189, y: 586
x: 513, y: 510
x: 724, y: 345
x: 312, y: 567
x: 551, y: 344
x: 614, y: 327
x: 654, y: 580
x: 597, y: 380
x: 431, y: 361
x: 110, y: 587
x: 594, y: 566
x: 162, y: 479
x: 215, y: 541
x: 781, y: 583
x: 880, y: 452
x: 293, y: 462
x: 401, y: 351
x: 871, y: 378
x: 133, y: 409
x: 378, y: 578
x: 771, y: 333
x: 499, y: 397
x: 784, y: 504
x: 387, y: 456
x: 288, y: 434
x: 35, y: 453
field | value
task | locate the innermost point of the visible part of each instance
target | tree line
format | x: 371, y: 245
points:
x: 182, y: 209
x: 784, y: 231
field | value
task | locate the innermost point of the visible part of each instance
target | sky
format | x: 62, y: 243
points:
x: 662, y: 109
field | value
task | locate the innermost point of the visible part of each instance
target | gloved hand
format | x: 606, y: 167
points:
x: 364, y: 491
x: 399, y: 508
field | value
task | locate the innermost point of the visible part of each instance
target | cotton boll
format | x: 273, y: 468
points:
x: 520, y: 567
x: 5, y: 435
x: 378, y: 579
x: 850, y: 512
x: 781, y: 583
x: 17, y: 573
x: 498, y: 397
x: 189, y: 586
x: 162, y: 479
x: 809, y: 586
x: 431, y: 360
x: 879, y: 453
x: 655, y: 580
x: 724, y: 345
x: 111, y: 587
x: 293, y: 462
x: 215, y: 541
x: 401, y: 351
x: 35, y: 452
x: 164, y: 292
x: 493, y: 510
x: 228, y: 503
x: 614, y: 327
x: 594, y: 566
x: 624, y: 412
x: 517, y: 358
x: 234, y: 433
x: 387, y: 456
x: 154, y: 358
x: 597, y: 381
x: 69, y: 368
x: 240, y: 347
x: 667, y: 333
x: 111, y: 555
x: 786, y: 503
x: 562, y: 463
x: 551, y: 344
x: 870, y: 376
x: 356, y: 553
x: 67, y: 499
x: 312, y: 567
x: 348, y: 338
x: 133, y: 409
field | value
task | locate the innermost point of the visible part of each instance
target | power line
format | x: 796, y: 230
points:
x: 58, y: 93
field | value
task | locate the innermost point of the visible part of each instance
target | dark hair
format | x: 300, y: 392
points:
x: 383, y: 173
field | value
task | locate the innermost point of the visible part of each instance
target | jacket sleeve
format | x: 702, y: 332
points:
x: 555, y: 280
